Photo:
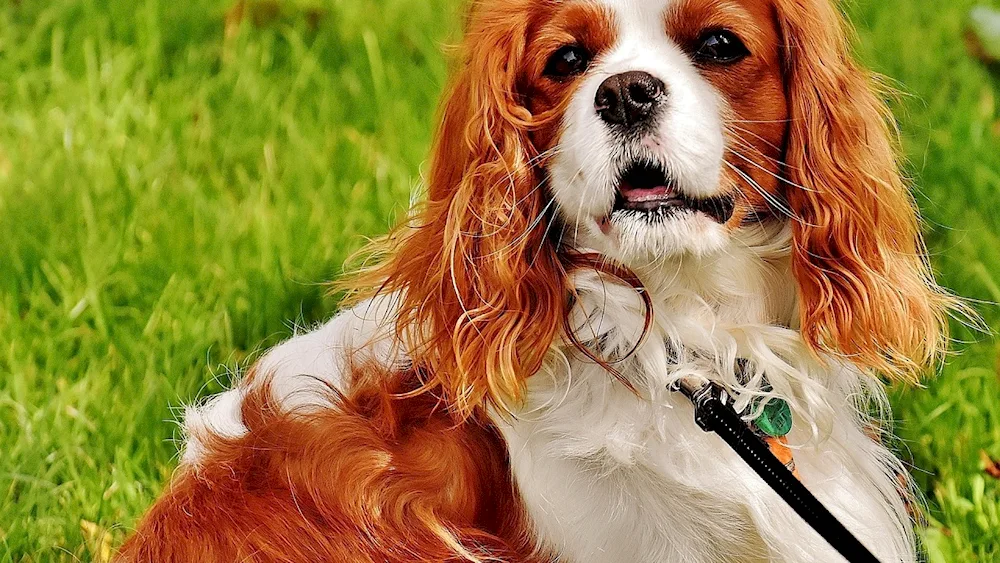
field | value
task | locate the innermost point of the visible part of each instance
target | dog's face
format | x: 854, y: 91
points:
x: 673, y: 113
x: 645, y: 130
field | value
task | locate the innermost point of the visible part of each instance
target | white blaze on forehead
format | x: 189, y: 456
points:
x: 640, y: 17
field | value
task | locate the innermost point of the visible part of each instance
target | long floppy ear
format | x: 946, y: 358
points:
x: 481, y: 287
x: 866, y: 290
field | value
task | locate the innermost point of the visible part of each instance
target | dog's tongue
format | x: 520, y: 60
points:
x: 638, y: 195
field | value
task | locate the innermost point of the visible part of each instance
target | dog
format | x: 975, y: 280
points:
x: 622, y: 194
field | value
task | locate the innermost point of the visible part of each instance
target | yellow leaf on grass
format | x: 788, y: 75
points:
x: 98, y: 540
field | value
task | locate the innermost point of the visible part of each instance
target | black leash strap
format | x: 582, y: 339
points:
x: 713, y: 413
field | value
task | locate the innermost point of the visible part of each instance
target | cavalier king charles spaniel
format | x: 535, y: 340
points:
x: 622, y: 193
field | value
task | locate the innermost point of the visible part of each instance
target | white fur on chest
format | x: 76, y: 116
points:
x: 609, y: 476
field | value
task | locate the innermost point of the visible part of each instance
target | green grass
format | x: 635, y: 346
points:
x: 172, y: 195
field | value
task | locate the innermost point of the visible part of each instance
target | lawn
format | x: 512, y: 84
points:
x: 177, y: 179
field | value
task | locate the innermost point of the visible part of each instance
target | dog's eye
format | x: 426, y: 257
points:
x: 720, y: 46
x: 568, y: 61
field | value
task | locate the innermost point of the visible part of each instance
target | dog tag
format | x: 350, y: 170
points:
x: 776, y: 419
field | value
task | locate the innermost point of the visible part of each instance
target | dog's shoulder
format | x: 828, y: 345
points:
x: 304, y: 373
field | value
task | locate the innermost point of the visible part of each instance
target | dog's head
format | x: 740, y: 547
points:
x: 645, y: 130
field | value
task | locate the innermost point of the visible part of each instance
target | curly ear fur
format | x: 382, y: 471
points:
x: 866, y: 290
x: 474, y: 267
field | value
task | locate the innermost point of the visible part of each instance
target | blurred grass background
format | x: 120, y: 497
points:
x: 178, y: 177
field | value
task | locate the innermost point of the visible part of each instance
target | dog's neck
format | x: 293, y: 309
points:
x: 749, y: 282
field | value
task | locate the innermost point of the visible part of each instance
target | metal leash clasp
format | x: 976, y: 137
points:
x: 700, y: 391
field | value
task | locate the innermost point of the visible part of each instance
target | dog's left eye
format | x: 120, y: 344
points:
x: 721, y: 46
x: 568, y: 61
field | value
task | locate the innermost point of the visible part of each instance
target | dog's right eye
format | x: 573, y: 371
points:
x: 721, y: 46
x: 570, y: 60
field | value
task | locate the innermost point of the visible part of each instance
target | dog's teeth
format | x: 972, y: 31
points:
x: 646, y: 187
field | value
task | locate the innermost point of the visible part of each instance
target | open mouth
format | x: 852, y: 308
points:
x: 647, y: 188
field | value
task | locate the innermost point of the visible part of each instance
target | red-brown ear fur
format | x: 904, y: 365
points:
x: 866, y: 290
x: 476, y: 271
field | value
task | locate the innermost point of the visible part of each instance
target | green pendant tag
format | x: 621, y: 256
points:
x: 776, y: 419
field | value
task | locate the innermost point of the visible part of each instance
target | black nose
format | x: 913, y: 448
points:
x: 630, y: 98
